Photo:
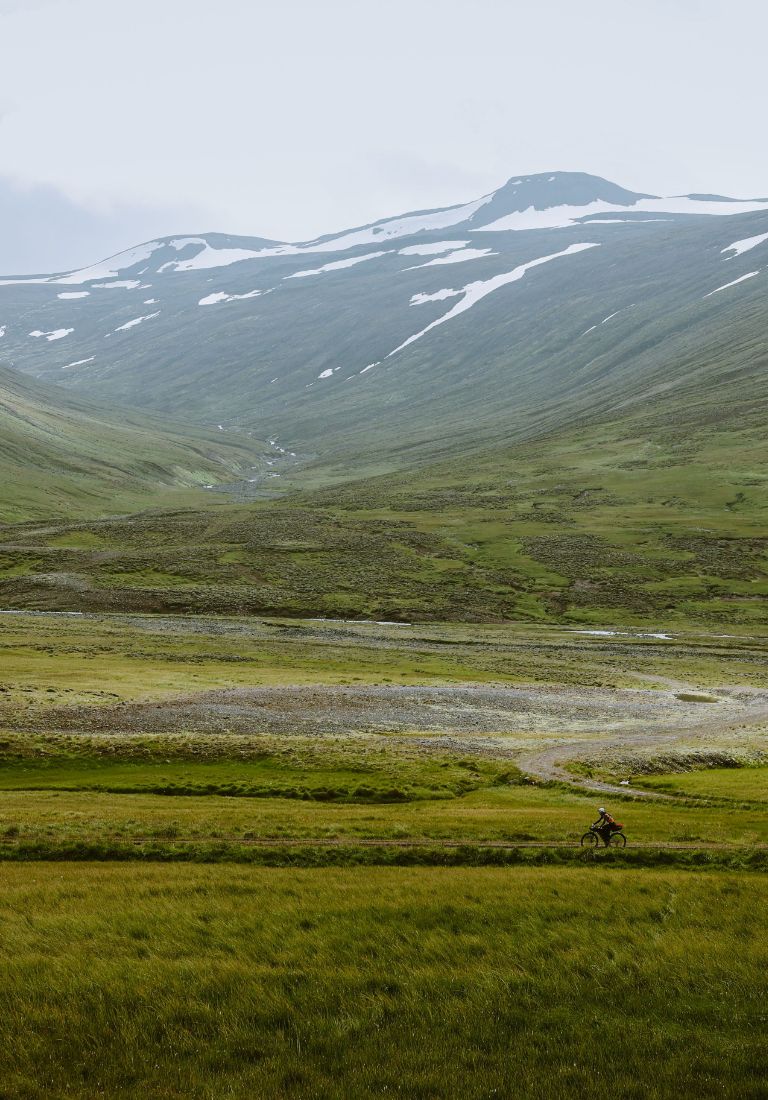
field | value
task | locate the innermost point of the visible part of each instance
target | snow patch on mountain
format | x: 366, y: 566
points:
x: 215, y: 298
x: 739, y: 247
x: 473, y: 293
x: 222, y: 296
x: 459, y: 257
x: 336, y: 265
x: 438, y: 296
x: 431, y: 248
x: 207, y: 257
x: 734, y: 282
x: 137, y: 321
x: 559, y: 217
x: 604, y: 320
x: 110, y: 268
x: 423, y: 222
x: 2, y: 331
x: 74, y: 294
x: 78, y: 363
x: 56, y: 334
x: 23, y: 282
x: 390, y: 229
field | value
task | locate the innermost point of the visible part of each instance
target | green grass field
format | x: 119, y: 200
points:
x: 305, y: 910
x: 167, y: 981
x: 739, y: 784
x: 54, y: 659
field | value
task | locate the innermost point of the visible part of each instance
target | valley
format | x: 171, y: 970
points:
x: 340, y: 582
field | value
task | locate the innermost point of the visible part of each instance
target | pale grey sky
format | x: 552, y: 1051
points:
x: 121, y: 120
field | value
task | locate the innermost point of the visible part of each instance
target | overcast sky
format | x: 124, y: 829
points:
x: 122, y: 120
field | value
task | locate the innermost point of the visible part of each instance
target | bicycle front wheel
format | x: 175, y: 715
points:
x: 590, y: 840
x: 618, y: 840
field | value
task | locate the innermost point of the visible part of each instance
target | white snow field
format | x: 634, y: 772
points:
x: 137, y: 321
x: 431, y: 248
x: 336, y: 265
x: 78, y: 363
x: 473, y: 293
x: 460, y: 256
x: 734, y: 282
x: 222, y: 296
x: 558, y: 217
x: 207, y: 257
x: 438, y: 296
x: 111, y: 267
x: 739, y: 247
x: 56, y: 334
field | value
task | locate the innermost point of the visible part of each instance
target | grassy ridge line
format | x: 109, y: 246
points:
x: 387, y: 855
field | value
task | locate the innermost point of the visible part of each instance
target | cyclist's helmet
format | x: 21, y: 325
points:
x: 601, y: 810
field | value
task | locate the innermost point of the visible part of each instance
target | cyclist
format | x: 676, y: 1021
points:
x: 606, y: 824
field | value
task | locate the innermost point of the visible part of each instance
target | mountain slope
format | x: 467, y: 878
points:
x: 63, y: 456
x: 651, y: 519
x: 556, y: 297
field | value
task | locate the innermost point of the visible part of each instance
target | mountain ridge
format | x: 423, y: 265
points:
x: 506, y: 314
x: 571, y: 188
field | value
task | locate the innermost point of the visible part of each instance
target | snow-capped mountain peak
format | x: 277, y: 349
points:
x: 495, y: 305
x: 552, y: 200
x: 556, y: 200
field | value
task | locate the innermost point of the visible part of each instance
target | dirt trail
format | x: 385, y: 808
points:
x: 386, y: 842
x: 549, y: 763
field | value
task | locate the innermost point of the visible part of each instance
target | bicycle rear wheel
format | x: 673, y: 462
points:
x: 590, y: 840
x: 618, y: 840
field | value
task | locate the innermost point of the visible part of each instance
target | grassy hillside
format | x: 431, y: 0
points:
x: 657, y: 518
x: 63, y: 456
x: 658, y: 515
